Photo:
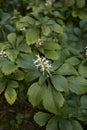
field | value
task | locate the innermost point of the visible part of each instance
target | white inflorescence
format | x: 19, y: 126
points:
x: 22, y: 29
x: 42, y: 64
x: 86, y: 51
x: 2, y: 53
x: 49, y: 2
x: 39, y: 42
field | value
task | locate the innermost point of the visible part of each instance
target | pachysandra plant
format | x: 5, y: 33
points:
x: 44, y: 52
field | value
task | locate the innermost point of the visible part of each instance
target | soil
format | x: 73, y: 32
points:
x: 8, y: 114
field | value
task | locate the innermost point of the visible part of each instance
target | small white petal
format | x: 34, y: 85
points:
x: 43, y: 59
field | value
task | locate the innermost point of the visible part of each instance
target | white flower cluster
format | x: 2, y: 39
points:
x: 22, y: 29
x: 3, y: 53
x: 39, y: 42
x: 42, y: 64
x: 49, y: 2
x: 86, y: 51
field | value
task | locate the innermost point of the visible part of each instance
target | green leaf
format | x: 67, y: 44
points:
x: 83, y: 24
x: 41, y: 118
x: 4, y: 46
x: 57, y: 28
x: 32, y: 36
x: 56, y: 64
x: 12, y: 38
x: 81, y: 3
x: 24, y: 48
x: 82, y: 15
x: 52, y: 124
x: 12, y: 84
x: 19, y: 40
x: 53, y: 55
x: 73, y: 61
x: 53, y: 100
x: 51, y: 46
x: 83, y: 101
x: 58, y: 14
x: 26, y: 61
x: 83, y: 70
x: 76, y: 125
x: 78, y: 85
x: 2, y: 85
x: 35, y: 93
x: 77, y: 31
x: 67, y: 69
x: 69, y: 2
x: 3, y: 61
x: 60, y: 83
x: 31, y: 75
x: 63, y: 38
x: 41, y: 49
x: 9, y: 68
x: 74, y: 51
x: 42, y: 79
x: 65, y: 125
x: 5, y: 18
x: 58, y: 98
x: 12, y: 54
x: 10, y: 95
x: 1, y: 74
x: 18, y: 75
x: 74, y: 13
x: 45, y: 30
x: 27, y: 19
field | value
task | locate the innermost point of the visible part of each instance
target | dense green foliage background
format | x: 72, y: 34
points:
x: 43, y: 60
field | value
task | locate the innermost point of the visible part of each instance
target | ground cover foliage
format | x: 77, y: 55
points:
x: 43, y: 62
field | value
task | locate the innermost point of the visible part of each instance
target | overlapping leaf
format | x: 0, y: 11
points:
x: 53, y: 100
x: 78, y: 85
x: 35, y: 93
x: 60, y: 83
x: 32, y: 36
x: 41, y: 118
x: 10, y: 95
x: 52, y: 123
x: 9, y: 68
x: 67, y: 69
